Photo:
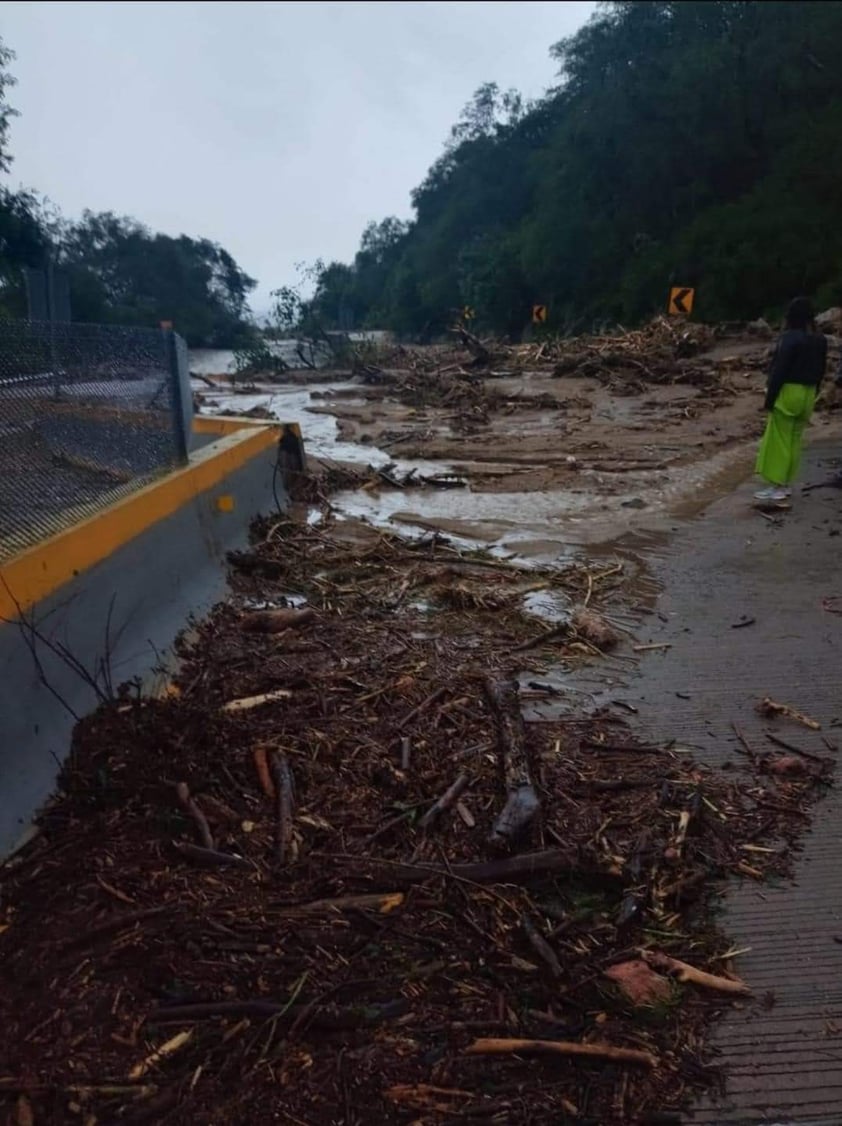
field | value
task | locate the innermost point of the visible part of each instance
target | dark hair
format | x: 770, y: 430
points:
x: 800, y: 313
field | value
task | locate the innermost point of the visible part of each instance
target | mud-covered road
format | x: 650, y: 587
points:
x: 549, y: 461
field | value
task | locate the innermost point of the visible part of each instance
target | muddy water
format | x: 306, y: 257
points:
x: 533, y: 526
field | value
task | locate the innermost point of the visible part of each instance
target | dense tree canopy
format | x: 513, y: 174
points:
x: 122, y: 273
x: 119, y: 271
x: 692, y: 143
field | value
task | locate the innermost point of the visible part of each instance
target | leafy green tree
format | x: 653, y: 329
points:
x: 692, y: 142
x: 122, y: 273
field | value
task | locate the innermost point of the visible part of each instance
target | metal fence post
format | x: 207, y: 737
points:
x: 178, y: 380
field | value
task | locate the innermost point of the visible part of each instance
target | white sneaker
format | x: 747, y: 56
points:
x: 774, y: 494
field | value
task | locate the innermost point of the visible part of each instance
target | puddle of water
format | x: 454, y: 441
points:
x: 292, y: 403
x: 550, y: 606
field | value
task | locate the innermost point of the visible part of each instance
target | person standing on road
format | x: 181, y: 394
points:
x: 795, y: 376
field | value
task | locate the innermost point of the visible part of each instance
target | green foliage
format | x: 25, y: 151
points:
x: 6, y: 111
x: 258, y: 358
x: 23, y: 242
x: 689, y: 142
x: 122, y: 273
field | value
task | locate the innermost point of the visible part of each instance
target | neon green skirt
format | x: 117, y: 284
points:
x: 779, y: 456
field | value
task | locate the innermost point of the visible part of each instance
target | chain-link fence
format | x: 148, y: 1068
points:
x: 88, y: 413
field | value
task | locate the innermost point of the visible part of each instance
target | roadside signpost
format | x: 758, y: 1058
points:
x: 539, y: 314
x: 681, y: 300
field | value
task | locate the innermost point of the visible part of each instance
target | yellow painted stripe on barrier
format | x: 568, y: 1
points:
x: 220, y: 424
x: 230, y: 424
x: 42, y: 569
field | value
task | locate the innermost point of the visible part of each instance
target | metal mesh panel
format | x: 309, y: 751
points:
x: 88, y: 413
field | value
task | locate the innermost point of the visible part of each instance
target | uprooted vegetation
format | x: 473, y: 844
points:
x: 624, y: 361
x: 333, y: 875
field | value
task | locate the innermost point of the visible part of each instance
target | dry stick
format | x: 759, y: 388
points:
x: 548, y: 635
x: 328, y: 1018
x: 651, y: 648
x: 115, y: 924
x: 541, y: 947
x: 522, y: 802
x: 284, y: 790
x: 686, y: 973
x: 629, y: 748
x: 446, y: 800
x: 747, y: 749
x: 210, y: 857
x: 431, y: 699
x: 494, y: 1047
x: 512, y: 869
x: 406, y: 752
x: 770, y: 707
x: 822, y: 760
x: 182, y: 791
x: 261, y: 764
x: 382, y: 902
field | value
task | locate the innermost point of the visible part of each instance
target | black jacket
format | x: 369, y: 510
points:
x: 800, y: 357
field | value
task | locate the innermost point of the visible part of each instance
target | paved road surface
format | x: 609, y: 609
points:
x: 785, y: 1062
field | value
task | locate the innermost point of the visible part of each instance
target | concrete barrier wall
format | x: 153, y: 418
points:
x: 113, y: 592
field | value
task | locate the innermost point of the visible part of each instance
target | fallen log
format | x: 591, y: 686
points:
x: 475, y: 346
x: 522, y: 802
x: 495, y: 1047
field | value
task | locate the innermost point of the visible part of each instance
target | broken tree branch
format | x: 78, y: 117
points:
x: 447, y: 799
x: 284, y: 791
x: 182, y: 792
x: 685, y: 973
x: 209, y: 857
x: 522, y: 802
x: 495, y: 1047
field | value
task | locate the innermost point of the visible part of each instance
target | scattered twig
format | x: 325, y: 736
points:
x: 210, y: 858
x: 447, y: 799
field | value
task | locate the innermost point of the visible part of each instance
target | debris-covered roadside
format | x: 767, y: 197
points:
x: 333, y: 877
x: 625, y: 361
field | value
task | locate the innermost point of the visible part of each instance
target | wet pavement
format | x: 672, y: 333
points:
x: 784, y: 1051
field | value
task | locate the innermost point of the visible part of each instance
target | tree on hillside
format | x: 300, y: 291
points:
x: 122, y: 273
x: 7, y: 112
x: 690, y: 142
x: 23, y: 234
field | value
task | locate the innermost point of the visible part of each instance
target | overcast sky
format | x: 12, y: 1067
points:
x: 276, y: 129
